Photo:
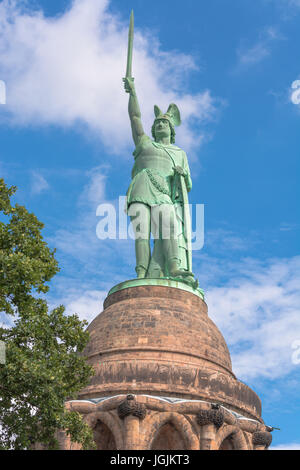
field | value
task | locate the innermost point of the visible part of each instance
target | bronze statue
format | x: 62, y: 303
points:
x: 157, y: 198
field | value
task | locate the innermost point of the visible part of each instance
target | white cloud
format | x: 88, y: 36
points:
x: 258, y: 313
x: 68, y: 70
x: 87, y: 304
x: 251, y: 55
x: 288, y: 9
x: 94, y: 192
x: 287, y: 227
x: 81, y: 252
x: 38, y: 183
x: 289, y: 3
x: 291, y: 446
x: 224, y: 240
x: 78, y: 238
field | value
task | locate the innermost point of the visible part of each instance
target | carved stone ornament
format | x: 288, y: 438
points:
x: 131, y: 407
x: 262, y: 439
x: 214, y: 416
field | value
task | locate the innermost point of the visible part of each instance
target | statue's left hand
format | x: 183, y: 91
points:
x: 179, y: 170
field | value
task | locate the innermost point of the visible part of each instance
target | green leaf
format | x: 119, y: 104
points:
x: 43, y: 366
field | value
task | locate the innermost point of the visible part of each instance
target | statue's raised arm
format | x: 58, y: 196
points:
x: 133, y: 107
x: 134, y: 110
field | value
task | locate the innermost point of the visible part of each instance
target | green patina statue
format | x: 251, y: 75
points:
x: 157, y: 198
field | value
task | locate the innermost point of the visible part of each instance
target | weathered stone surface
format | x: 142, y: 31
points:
x: 215, y: 417
x: 152, y: 342
x: 186, y: 424
x: 160, y: 341
x: 131, y: 407
x: 262, y: 439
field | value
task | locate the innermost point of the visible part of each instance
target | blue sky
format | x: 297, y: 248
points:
x: 66, y: 143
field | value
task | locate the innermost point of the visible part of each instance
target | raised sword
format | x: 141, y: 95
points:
x: 130, y: 46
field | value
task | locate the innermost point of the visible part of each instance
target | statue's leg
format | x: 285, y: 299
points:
x: 140, y: 219
x: 156, y: 266
x: 157, y: 262
x: 163, y: 219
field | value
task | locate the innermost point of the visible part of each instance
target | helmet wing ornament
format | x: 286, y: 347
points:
x: 172, y: 115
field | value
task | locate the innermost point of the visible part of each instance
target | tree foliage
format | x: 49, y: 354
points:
x: 44, y: 366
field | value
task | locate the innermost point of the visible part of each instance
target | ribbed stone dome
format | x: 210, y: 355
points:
x: 160, y: 341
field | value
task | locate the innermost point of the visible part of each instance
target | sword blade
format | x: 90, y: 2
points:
x: 130, y: 47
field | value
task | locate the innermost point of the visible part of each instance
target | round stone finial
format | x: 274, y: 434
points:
x: 261, y: 438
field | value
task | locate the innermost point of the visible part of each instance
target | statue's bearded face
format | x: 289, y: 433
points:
x: 162, y: 128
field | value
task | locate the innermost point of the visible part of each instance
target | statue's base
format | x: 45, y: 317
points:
x: 163, y: 377
x: 165, y: 282
x: 155, y: 337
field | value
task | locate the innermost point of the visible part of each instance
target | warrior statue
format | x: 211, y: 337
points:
x: 157, y: 200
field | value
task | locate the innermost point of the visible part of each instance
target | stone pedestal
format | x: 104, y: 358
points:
x: 163, y: 376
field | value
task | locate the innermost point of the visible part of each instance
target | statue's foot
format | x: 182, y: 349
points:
x: 187, y: 277
x: 181, y: 273
x: 155, y: 274
x: 192, y: 281
x: 141, y: 273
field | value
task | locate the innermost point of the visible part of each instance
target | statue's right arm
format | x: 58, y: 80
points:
x: 134, y: 111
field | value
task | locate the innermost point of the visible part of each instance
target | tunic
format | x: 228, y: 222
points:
x: 153, y: 173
